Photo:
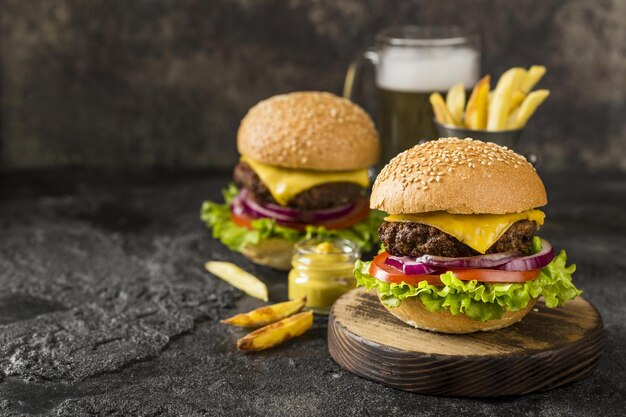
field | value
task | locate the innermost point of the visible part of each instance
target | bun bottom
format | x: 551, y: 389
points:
x: 413, y: 312
x: 273, y: 252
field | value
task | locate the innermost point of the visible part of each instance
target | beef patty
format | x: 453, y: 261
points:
x: 415, y: 239
x: 323, y: 196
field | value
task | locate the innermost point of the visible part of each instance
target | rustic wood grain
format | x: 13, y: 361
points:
x: 547, y: 349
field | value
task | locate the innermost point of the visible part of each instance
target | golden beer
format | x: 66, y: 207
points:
x: 404, y: 118
x: 410, y: 63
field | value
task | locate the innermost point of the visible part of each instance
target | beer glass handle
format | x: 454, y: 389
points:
x: 355, y: 68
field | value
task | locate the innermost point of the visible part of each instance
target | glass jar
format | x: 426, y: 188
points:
x: 322, y: 271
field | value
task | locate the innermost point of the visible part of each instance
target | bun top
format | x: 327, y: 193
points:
x: 309, y: 130
x: 462, y: 176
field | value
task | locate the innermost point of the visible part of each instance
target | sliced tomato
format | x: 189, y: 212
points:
x: 358, y: 214
x: 387, y: 273
x: 494, y: 275
x: 242, y: 220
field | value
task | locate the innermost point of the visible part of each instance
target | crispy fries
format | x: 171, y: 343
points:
x: 441, y: 111
x: 280, y: 321
x: 266, y: 315
x: 276, y: 333
x: 520, y: 116
x: 508, y: 106
x: 238, y: 278
x: 533, y: 76
x: 516, y: 100
x: 455, y: 101
x: 500, y: 106
x: 477, y: 105
x: 519, y: 77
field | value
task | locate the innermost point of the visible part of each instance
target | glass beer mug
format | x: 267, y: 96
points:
x: 410, y: 63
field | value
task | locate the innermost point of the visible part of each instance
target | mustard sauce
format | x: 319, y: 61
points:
x: 322, y: 271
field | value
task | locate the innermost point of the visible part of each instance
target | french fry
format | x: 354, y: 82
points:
x: 516, y: 100
x: 276, y: 333
x: 533, y: 76
x: 521, y: 115
x: 476, y: 112
x: 519, y: 77
x: 500, y: 105
x: 441, y: 111
x: 455, y: 101
x: 238, y: 278
x: 266, y: 315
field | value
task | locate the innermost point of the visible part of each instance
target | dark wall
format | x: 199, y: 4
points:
x: 163, y: 83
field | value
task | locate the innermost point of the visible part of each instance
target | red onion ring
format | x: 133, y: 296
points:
x: 236, y: 207
x: 409, y: 266
x: 536, y: 261
x: 505, y: 261
x: 491, y: 260
x: 323, y: 214
x: 287, y: 214
x: 257, y: 210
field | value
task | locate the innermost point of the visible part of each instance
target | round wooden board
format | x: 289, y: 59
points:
x: 547, y: 349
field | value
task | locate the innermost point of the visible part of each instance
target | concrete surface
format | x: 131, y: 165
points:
x: 105, y: 308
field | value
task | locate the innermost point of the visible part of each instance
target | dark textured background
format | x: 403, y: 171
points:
x: 163, y: 83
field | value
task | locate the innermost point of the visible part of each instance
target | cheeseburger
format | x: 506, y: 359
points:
x: 461, y: 252
x: 302, y: 172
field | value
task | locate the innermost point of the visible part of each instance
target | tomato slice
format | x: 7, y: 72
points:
x: 494, y: 275
x: 387, y: 273
x: 242, y: 220
x: 358, y: 214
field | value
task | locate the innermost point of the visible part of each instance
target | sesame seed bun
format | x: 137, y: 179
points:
x: 309, y: 130
x: 463, y: 176
x: 413, y: 312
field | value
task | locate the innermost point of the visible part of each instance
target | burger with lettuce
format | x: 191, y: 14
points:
x: 303, y: 172
x: 460, y: 247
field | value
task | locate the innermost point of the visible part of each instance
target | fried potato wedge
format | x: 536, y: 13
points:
x: 276, y: 333
x: 521, y: 115
x: 238, y: 278
x: 516, y: 100
x: 500, y: 105
x: 266, y: 315
x: 455, y: 101
x: 533, y: 76
x: 477, y: 105
x: 519, y: 77
x: 441, y: 111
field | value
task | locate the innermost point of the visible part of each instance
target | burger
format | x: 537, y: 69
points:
x: 460, y: 251
x: 303, y: 172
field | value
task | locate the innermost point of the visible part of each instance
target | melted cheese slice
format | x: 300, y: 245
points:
x: 286, y: 183
x: 478, y: 231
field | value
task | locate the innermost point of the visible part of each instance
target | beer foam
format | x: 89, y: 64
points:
x: 426, y: 70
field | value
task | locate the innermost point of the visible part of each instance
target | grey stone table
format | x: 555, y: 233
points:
x: 105, y: 308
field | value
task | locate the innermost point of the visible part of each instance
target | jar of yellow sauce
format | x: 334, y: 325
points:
x: 322, y: 271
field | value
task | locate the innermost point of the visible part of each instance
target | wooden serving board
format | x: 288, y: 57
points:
x: 547, y: 349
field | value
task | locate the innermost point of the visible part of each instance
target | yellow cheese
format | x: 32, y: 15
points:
x: 478, y: 231
x: 286, y: 183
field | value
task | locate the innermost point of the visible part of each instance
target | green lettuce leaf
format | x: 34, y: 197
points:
x: 478, y: 301
x: 217, y: 217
